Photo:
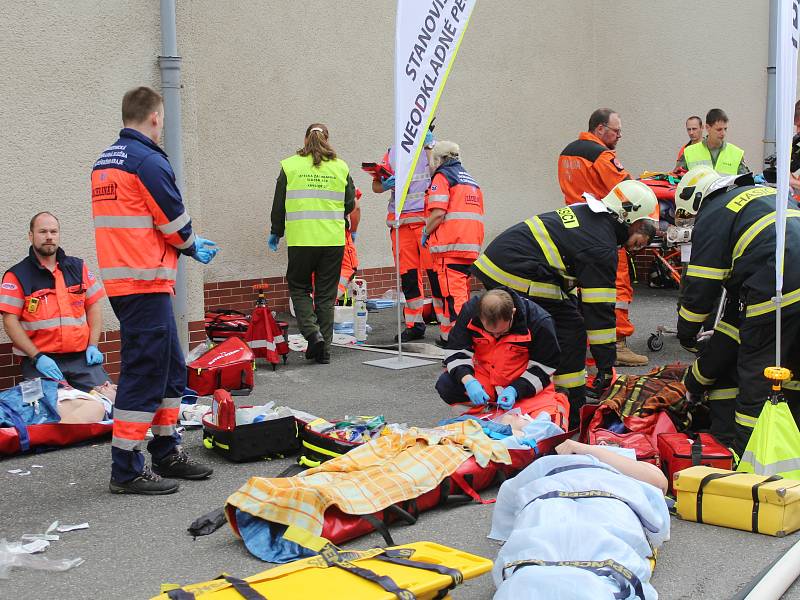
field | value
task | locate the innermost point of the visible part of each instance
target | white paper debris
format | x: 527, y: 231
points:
x: 65, y: 528
x: 35, y: 546
x: 15, y: 471
x: 30, y: 537
x: 37, y: 466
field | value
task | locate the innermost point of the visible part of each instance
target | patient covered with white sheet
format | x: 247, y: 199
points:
x: 580, y: 524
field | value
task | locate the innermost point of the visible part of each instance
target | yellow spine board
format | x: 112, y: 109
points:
x: 312, y: 578
x: 728, y: 501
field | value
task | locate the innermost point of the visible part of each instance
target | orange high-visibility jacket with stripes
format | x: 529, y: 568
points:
x: 140, y: 222
x: 51, y: 306
x: 587, y: 165
x: 460, y: 234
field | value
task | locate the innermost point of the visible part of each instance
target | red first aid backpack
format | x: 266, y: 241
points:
x: 228, y: 366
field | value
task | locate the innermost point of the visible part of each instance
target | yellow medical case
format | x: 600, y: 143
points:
x: 756, y: 503
x: 323, y: 578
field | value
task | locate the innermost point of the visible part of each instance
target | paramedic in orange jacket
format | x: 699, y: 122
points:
x: 454, y: 229
x: 589, y: 164
x: 141, y: 228
x: 503, y: 348
x: 51, y: 311
x: 413, y: 258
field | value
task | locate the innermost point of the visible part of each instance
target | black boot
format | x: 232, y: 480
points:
x: 316, y: 346
x: 148, y: 484
x: 180, y: 466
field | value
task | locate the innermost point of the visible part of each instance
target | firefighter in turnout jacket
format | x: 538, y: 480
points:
x: 733, y: 244
x: 547, y: 256
x: 503, y: 348
x: 454, y: 230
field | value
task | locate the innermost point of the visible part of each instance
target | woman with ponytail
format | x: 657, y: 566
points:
x: 313, y: 195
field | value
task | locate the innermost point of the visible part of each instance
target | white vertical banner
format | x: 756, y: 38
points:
x: 427, y: 37
x: 786, y: 88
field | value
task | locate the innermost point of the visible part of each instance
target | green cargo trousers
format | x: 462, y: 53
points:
x: 313, y: 277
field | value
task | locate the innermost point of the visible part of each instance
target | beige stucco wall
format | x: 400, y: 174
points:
x: 257, y: 72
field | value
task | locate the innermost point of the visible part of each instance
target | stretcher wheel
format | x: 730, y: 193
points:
x: 655, y: 342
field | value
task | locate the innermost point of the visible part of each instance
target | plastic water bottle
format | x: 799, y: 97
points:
x: 360, y: 310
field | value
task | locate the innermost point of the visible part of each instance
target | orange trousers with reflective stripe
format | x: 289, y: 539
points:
x: 454, y: 283
x: 624, y: 296
x: 414, y: 260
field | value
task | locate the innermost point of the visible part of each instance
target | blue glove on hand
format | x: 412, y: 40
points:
x: 429, y: 139
x: 477, y: 395
x: 507, y: 398
x: 93, y: 356
x: 388, y: 183
x: 272, y: 242
x: 423, y: 241
x: 48, y: 367
x: 353, y: 235
x: 204, y: 250
x: 759, y: 179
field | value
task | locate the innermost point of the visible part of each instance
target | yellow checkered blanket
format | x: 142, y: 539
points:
x: 387, y: 470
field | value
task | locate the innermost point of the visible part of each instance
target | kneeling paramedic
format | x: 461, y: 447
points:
x: 546, y: 256
x: 503, y: 348
x: 51, y: 311
x: 733, y: 245
x: 141, y: 228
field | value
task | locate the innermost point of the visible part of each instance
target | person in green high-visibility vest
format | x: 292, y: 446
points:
x: 713, y: 150
x: 313, y: 195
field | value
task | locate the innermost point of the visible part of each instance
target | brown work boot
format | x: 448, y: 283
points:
x: 627, y: 357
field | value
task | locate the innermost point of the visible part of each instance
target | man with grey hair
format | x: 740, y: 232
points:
x: 454, y: 228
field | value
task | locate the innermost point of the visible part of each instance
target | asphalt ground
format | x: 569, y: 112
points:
x: 136, y: 543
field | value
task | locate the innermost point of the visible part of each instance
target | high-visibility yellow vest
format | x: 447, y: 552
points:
x: 314, y: 201
x: 728, y: 161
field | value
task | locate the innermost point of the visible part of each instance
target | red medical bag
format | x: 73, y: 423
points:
x: 222, y: 324
x: 680, y: 451
x: 228, y: 366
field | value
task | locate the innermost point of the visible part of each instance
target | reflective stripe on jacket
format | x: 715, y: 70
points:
x: 526, y: 357
x: 140, y: 222
x: 315, y: 201
x: 414, y: 204
x: 728, y: 161
x: 547, y: 255
x: 733, y: 244
x: 460, y: 233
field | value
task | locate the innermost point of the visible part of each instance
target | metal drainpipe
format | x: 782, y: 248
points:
x: 170, y: 64
x: 769, y: 124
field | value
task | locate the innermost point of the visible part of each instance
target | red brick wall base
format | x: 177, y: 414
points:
x: 235, y: 295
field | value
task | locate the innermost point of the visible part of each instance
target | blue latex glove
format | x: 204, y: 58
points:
x: 273, y: 241
x: 477, y: 395
x: 388, y: 183
x: 48, y: 367
x: 353, y: 236
x: 93, y: 356
x: 507, y: 398
x: 204, y: 250
x: 423, y: 241
x: 429, y: 139
x: 759, y: 179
